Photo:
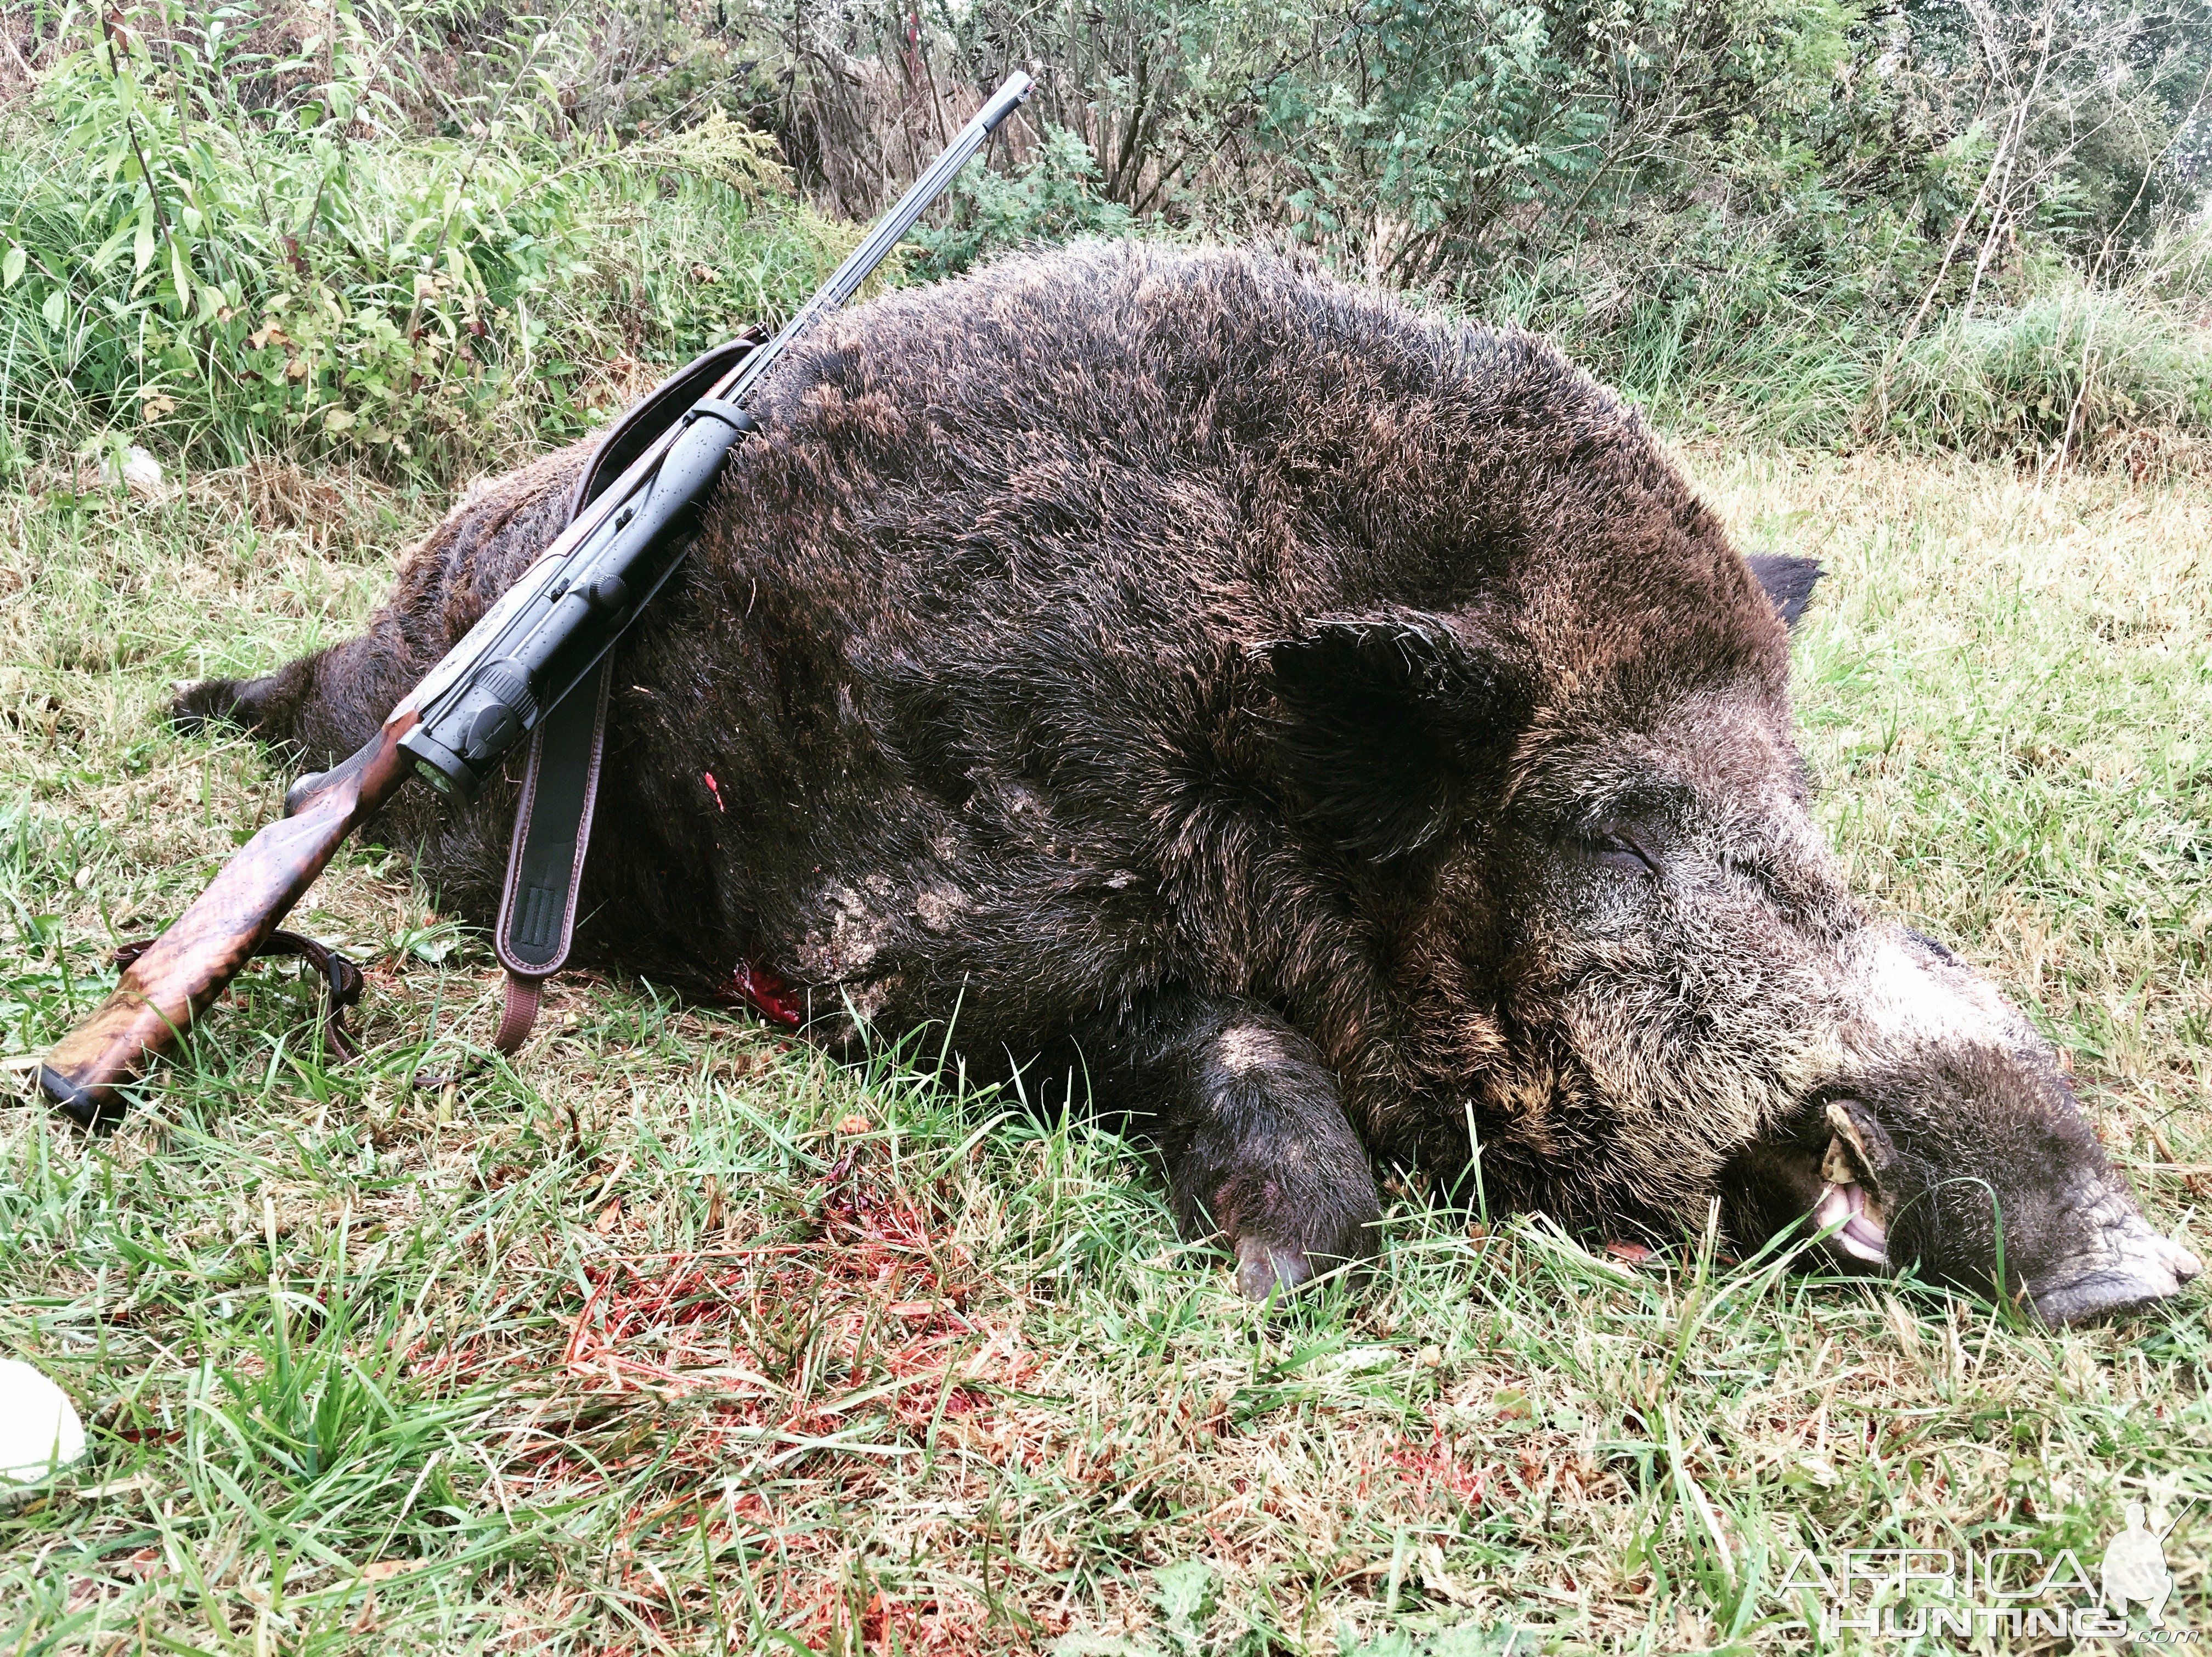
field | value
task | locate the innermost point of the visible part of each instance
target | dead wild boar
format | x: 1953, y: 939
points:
x: 1336, y: 733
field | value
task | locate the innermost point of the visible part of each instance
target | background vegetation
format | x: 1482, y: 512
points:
x: 426, y: 230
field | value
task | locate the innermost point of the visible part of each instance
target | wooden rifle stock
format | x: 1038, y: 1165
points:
x: 185, y: 969
x: 187, y: 966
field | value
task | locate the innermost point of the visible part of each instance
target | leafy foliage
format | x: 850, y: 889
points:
x: 431, y: 231
x: 1784, y: 205
x: 218, y: 278
x: 1053, y: 199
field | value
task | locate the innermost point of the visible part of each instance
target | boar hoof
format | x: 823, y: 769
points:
x: 247, y: 704
x: 1264, y: 1269
x: 210, y: 701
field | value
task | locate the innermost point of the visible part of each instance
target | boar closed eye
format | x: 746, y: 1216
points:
x: 1614, y: 848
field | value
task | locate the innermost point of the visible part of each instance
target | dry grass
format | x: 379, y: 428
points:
x: 674, y: 1337
x: 2004, y: 687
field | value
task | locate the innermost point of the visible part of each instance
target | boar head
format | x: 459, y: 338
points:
x: 1643, y: 970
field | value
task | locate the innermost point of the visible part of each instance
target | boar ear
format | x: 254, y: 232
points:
x: 1788, y: 580
x: 1389, y: 720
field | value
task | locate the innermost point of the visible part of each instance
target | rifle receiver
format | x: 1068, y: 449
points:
x: 554, y: 626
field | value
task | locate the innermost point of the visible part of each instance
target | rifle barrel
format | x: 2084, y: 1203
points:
x: 888, y: 231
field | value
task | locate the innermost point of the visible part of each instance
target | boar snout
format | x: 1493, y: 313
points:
x: 1960, y: 1143
x: 2124, y: 1264
x: 1968, y: 1164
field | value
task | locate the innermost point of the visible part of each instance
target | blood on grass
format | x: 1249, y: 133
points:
x: 1436, y: 1473
x: 781, y: 1342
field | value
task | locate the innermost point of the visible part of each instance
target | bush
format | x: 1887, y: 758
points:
x: 215, y: 281
x: 1778, y: 212
x: 2072, y: 371
x: 1053, y: 199
x: 447, y: 231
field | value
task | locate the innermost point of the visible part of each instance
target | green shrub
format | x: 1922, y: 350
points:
x: 2070, y: 370
x: 1736, y: 209
x: 1737, y: 339
x: 1054, y: 197
x: 440, y: 233
x: 214, y: 280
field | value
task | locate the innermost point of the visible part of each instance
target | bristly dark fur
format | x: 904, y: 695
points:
x: 1305, y: 715
x: 1789, y: 582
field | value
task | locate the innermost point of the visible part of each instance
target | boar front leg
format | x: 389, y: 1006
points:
x: 1258, y: 1151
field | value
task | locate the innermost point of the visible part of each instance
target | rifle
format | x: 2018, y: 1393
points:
x: 545, y: 636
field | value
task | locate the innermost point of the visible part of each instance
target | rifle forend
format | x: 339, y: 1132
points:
x: 566, y: 613
x: 553, y: 628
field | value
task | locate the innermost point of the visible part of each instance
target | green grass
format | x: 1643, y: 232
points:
x: 673, y: 1336
x: 2117, y: 373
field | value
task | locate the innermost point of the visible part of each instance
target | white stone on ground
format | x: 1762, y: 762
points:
x: 140, y: 471
x: 39, y: 1432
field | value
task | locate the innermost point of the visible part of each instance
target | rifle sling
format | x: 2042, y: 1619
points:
x: 553, y: 821
x: 552, y: 829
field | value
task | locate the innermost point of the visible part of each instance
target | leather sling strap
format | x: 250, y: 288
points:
x: 342, y: 980
x: 545, y: 864
x: 553, y: 821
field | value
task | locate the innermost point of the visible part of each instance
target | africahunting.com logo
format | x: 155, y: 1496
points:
x: 1931, y: 1592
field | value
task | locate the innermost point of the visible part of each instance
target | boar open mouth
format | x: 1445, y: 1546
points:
x: 1850, y: 1207
x: 2052, y: 1219
x: 1857, y: 1221
x: 1835, y: 1184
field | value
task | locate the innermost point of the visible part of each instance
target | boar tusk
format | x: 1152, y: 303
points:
x: 1847, y: 1142
x: 1836, y: 1165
